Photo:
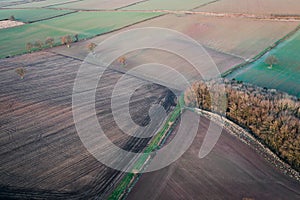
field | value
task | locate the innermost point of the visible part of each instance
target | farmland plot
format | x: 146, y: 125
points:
x: 284, y: 76
x: 168, y: 5
x: 233, y: 170
x: 31, y: 15
x: 238, y: 37
x: 258, y: 7
x: 39, y: 142
x: 98, y: 5
x: 6, y: 3
x: 85, y: 24
x: 41, y: 4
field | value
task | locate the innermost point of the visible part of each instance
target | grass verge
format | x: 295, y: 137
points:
x: 127, y: 181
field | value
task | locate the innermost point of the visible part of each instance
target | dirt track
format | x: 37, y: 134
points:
x: 232, y: 170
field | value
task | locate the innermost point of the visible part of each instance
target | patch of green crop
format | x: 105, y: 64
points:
x: 284, y: 76
x: 85, y: 24
x: 31, y: 15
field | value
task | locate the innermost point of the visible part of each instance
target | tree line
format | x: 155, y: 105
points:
x: 272, y: 117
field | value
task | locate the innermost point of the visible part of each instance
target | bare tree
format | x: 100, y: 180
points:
x: 63, y: 40
x: 68, y: 40
x: 122, y: 60
x: 21, y: 72
x: 29, y: 46
x: 49, y: 41
x: 12, y: 18
x: 271, y: 60
x: 91, y: 46
x: 38, y: 44
x: 76, y: 38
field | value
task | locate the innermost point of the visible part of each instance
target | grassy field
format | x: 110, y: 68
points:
x: 284, y: 76
x: 261, y: 7
x: 31, y: 15
x: 97, y: 4
x: 85, y: 24
x: 168, y: 4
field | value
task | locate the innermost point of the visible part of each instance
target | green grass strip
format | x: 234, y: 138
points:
x: 124, y: 184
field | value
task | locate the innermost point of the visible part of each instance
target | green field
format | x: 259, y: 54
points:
x: 284, y: 76
x: 168, y: 5
x: 85, y: 24
x: 31, y: 15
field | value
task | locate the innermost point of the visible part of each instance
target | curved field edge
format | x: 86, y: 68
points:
x: 84, y: 24
x: 130, y: 179
x: 247, y: 138
x: 282, y: 77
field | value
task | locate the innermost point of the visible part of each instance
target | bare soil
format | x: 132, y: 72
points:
x: 41, y: 155
x: 233, y: 170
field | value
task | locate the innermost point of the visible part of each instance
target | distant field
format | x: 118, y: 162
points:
x: 255, y: 7
x: 238, y: 36
x: 284, y: 76
x: 4, y: 3
x: 97, y: 4
x: 168, y: 4
x: 31, y: 15
x: 86, y: 24
x: 39, y: 4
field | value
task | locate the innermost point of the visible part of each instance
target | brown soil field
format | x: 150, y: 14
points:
x: 233, y: 170
x: 100, y: 5
x: 239, y: 37
x: 41, y: 155
x: 260, y: 7
x: 231, y: 40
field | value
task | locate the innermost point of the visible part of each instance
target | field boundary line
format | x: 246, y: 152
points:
x: 262, y: 53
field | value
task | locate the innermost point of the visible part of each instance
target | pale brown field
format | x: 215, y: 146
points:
x: 261, y: 7
x: 239, y: 37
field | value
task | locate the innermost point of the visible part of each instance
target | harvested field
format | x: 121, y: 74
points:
x: 284, y: 76
x: 39, y: 142
x: 259, y: 7
x: 9, y: 23
x: 31, y: 15
x: 98, y: 5
x: 168, y: 5
x: 6, y: 3
x: 41, y: 4
x: 237, y: 38
x: 13, y: 40
x: 233, y: 170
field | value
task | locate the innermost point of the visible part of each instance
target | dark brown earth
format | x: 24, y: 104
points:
x: 41, y: 155
x: 233, y: 170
